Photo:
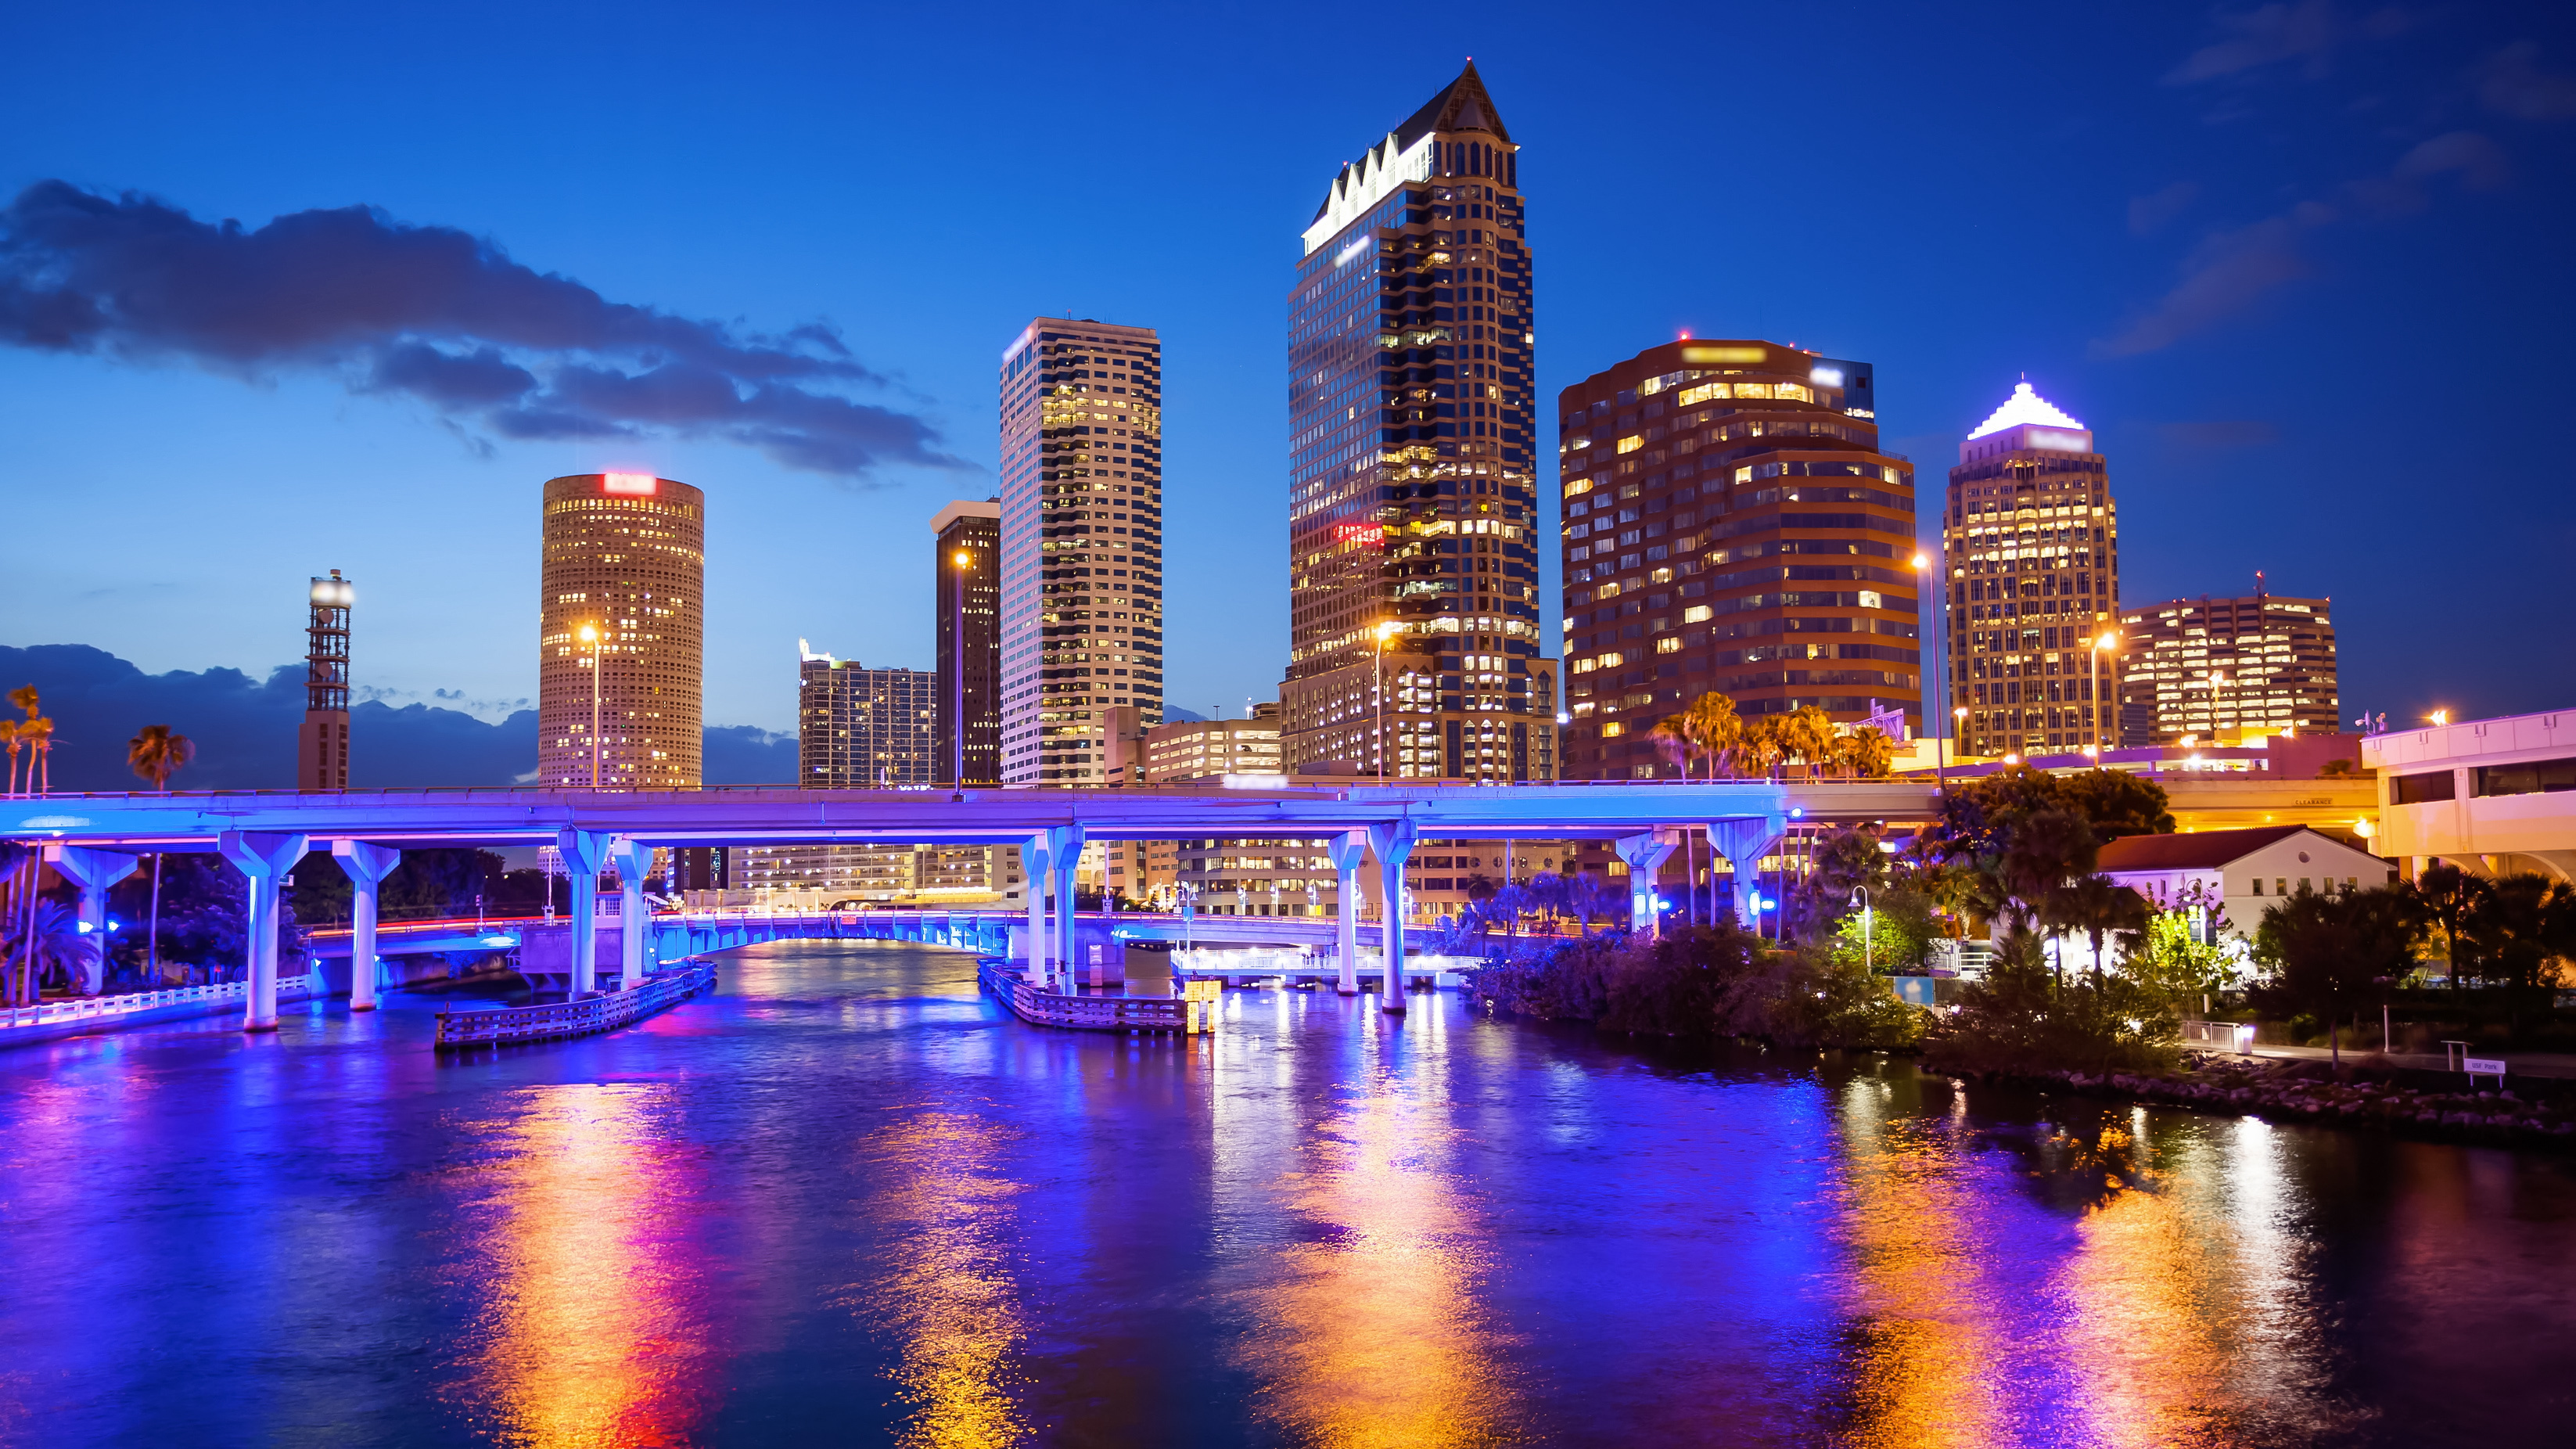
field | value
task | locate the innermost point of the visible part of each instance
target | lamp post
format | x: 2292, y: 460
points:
x: 965, y: 561
x: 590, y: 636
x: 2095, y: 646
x: 1932, y: 647
x: 1386, y: 630
x: 1868, y: 964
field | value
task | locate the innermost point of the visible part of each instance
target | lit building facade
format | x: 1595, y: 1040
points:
x: 1081, y: 592
x: 1208, y: 749
x: 2030, y: 543
x: 968, y: 596
x: 2216, y: 671
x: 1730, y: 527
x: 863, y: 728
x: 1412, y: 508
x: 322, y: 742
x: 625, y: 558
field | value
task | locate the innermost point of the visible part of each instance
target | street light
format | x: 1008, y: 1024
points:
x: 957, y: 669
x: 1860, y: 897
x: 1386, y: 629
x: 590, y: 636
x: 2095, y: 645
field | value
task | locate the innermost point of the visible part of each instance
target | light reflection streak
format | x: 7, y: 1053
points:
x: 950, y: 1295
x: 594, y: 1327
x: 1370, y: 1326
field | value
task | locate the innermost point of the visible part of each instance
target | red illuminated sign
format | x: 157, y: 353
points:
x: 637, y: 484
x: 1364, y: 535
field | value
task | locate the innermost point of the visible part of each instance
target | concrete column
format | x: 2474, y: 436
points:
x: 584, y: 852
x: 1646, y: 855
x: 1034, y: 863
x: 265, y: 859
x: 366, y: 866
x: 1064, y: 844
x: 1744, y: 843
x: 634, y: 861
x: 1348, y: 851
x: 93, y: 871
x: 1394, y: 846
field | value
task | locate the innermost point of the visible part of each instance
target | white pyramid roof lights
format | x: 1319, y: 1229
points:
x: 2025, y: 406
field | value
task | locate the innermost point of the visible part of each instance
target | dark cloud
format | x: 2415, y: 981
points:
x: 2224, y: 433
x: 433, y: 314
x: 2222, y: 277
x: 2269, y: 34
x: 2513, y: 84
x: 2151, y: 212
x: 244, y: 730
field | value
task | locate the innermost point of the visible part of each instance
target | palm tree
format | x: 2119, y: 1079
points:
x: 36, y: 732
x: 9, y: 736
x: 2098, y: 906
x: 51, y: 938
x: 1806, y: 733
x: 1760, y: 745
x: 156, y: 755
x: 1715, y: 725
x: 2447, y: 896
x: 1676, y: 737
x: 1872, y: 753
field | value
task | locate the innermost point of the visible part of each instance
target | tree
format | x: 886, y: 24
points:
x: 1679, y: 741
x: 2329, y: 955
x: 2446, y: 896
x: 48, y: 940
x: 2521, y: 926
x: 9, y: 736
x: 2178, y: 964
x: 1807, y: 734
x: 1717, y: 728
x: 1759, y: 746
x: 2100, y: 907
x: 2047, y: 850
x: 156, y: 755
x: 1870, y: 752
x: 2118, y: 803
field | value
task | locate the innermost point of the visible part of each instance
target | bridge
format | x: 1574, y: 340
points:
x: 93, y: 840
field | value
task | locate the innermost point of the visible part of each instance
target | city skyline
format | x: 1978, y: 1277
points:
x: 2127, y: 354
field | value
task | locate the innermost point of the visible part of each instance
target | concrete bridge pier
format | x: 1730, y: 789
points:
x: 1645, y: 854
x: 366, y: 866
x: 1744, y: 843
x: 1394, y: 846
x: 584, y: 852
x: 1034, y: 861
x: 265, y: 859
x: 1064, y: 843
x: 634, y: 860
x: 93, y: 871
x: 1348, y: 850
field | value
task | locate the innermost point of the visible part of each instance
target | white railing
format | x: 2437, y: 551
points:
x: 494, y: 1026
x: 93, y: 1008
x: 2219, y: 1036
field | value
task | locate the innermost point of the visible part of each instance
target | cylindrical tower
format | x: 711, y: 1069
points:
x: 625, y: 566
x: 322, y: 743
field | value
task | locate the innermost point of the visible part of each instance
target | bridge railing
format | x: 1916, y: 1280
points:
x: 496, y: 1026
x: 86, y: 1008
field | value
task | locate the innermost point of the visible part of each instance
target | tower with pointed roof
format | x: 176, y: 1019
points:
x: 2031, y: 552
x: 1413, y: 506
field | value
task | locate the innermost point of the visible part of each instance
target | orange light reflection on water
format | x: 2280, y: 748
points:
x: 594, y: 1328
x: 1371, y: 1330
x: 949, y: 1291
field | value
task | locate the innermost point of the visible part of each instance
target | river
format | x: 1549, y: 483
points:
x: 846, y: 1199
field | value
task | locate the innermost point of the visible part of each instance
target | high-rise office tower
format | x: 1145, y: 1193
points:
x: 1081, y: 595
x: 322, y: 742
x: 1731, y: 527
x: 968, y: 595
x: 1412, y: 514
x: 621, y: 633
x: 860, y: 728
x: 2222, y: 670
x: 2031, y: 550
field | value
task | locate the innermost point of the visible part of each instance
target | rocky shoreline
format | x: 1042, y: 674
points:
x: 2355, y: 1095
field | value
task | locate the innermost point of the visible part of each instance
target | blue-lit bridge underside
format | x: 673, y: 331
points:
x: 93, y: 838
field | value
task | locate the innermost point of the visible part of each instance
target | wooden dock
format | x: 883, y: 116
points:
x: 1190, y: 1015
x: 501, y: 1026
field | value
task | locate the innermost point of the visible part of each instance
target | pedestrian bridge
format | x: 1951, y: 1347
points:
x: 93, y: 839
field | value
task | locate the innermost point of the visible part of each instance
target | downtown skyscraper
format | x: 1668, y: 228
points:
x: 621, y: 633
x: 1731, y: 526
x: 1413, y: 510
x: 966, y: 564
x: 2030, y: 541
x: 1081, y: 543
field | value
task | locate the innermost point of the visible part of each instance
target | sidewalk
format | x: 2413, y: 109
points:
x: 2523, y: 1064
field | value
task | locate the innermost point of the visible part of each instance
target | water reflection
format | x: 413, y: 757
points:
x: 944, y: 1211
x: 593, y: 1328
x: 1370, y: 1327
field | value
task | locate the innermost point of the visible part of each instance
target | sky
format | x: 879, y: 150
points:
x: 291, y: 288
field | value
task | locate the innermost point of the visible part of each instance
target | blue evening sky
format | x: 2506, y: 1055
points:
x: 2303, y: 267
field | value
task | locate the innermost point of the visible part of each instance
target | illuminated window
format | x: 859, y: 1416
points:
x: 1669, y: 644
x: 1631, y: 444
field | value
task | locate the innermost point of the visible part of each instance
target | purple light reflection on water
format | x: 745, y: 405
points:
x: 846, y: 1199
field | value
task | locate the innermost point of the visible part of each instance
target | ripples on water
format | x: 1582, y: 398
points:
x: 846, y: 1200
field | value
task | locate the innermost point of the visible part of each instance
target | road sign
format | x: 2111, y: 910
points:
x: 2478, y: 1067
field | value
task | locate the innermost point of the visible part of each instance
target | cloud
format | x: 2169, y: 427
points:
x: 434, y: 315
x: 2223, y: 433
x: 2270, y: 34
x: 244, y: 730
x: 2150, y: 212
x: 2480, y: 164
x: 2223, y: 276
x: 2514, y: 85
